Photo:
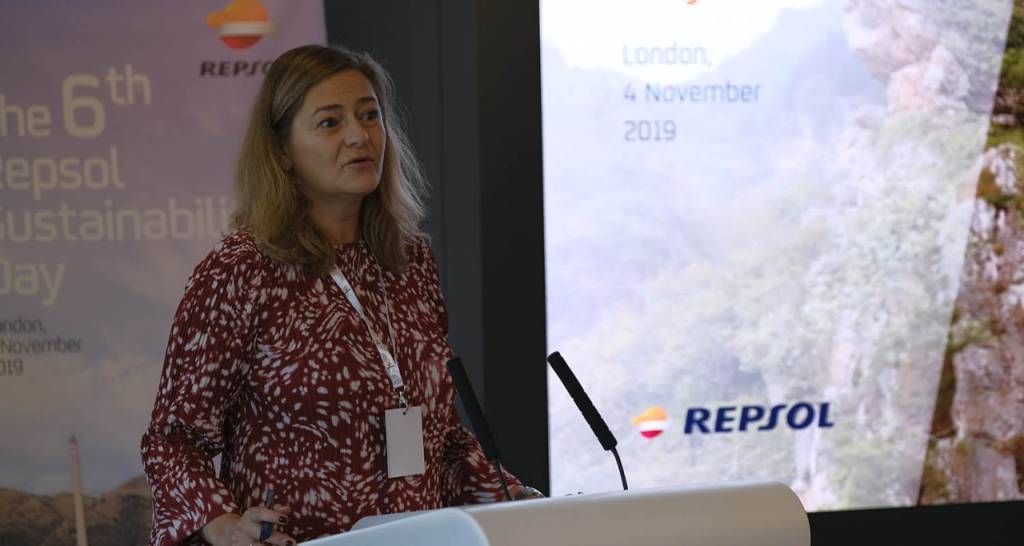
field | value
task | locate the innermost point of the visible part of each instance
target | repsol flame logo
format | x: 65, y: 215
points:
x: 652, y: 422
x: 241, y: 24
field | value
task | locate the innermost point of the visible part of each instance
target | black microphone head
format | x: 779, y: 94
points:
x: 575, y: 390
x: 473, y: 410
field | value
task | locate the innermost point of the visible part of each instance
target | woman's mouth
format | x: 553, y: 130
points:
x: 360, y: 163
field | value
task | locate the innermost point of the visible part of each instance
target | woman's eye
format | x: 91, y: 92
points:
x: 327, y: 123
x: 372, y: 114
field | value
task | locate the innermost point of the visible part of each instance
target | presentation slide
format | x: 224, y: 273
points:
x: 784, y: 242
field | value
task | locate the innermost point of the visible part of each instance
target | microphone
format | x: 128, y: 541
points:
x: 476, y: 418
x: 586, y: 407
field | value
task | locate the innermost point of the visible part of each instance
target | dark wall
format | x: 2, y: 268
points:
x: 469, y: 72
x: 469, y: 75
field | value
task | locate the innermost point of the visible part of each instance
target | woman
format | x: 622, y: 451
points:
x: 303, y: 327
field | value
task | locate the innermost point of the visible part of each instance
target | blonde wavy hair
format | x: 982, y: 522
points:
x: 270, y: 204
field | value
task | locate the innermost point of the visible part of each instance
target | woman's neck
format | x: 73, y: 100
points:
x: 339, y: 221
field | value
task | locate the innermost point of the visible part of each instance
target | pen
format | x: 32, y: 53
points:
x: 266, y: 527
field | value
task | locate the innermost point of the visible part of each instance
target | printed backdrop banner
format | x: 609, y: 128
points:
x: 119, y: 125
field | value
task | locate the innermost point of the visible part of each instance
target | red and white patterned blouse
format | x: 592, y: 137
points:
x: 272, y: 368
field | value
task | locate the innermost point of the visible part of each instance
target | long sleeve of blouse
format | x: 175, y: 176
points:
x: 207, y: 357
x: 272, y: 369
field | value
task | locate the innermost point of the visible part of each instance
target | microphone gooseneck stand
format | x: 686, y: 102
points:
x: 586, y: 407
x: 477, y: 419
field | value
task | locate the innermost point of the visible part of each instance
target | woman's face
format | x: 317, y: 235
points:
x: 336, y: 146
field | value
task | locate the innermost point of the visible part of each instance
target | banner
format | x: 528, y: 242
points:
x: 119, y: 125
x: 756, y: 221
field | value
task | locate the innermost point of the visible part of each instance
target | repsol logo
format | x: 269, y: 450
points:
x: 727, y: 419
x: 232, y: 69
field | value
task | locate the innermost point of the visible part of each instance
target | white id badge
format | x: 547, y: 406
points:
x: 403, y: 432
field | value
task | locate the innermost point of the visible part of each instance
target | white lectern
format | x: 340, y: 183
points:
x: 733, y: 514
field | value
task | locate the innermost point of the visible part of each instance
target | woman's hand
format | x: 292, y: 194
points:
x: 520, y: 492
x: 234, y: 530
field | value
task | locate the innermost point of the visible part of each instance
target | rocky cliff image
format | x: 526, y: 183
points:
x: 976, y: 448
x: 120, y: 517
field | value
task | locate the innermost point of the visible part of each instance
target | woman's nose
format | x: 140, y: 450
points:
x: 356, y: 135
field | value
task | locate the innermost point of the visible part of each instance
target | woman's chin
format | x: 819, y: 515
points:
x: 359, y: 185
